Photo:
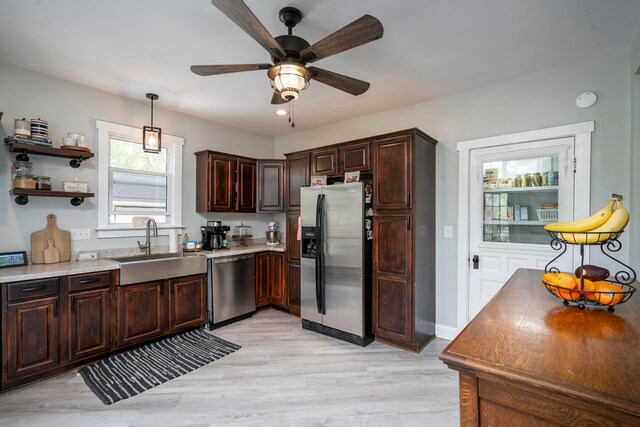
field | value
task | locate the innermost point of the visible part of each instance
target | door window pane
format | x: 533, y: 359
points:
x: 520, y: 196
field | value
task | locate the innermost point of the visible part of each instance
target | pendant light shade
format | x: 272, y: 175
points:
x: 151, y: 136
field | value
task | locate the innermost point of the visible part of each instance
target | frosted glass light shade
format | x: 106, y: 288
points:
x: 288, y: 79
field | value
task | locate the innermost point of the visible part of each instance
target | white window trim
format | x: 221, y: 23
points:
x: 173, y: 144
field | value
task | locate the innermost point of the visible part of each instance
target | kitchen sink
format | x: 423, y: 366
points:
x: 147, y: 268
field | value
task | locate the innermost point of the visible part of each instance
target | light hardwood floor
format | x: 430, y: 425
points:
x: 282, y: 376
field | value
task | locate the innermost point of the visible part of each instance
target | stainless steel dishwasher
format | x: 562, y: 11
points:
x: 232, y: 289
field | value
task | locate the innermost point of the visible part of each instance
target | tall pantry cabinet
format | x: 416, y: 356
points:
x: 403, y: 288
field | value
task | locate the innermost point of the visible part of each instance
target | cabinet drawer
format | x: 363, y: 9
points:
x: 83, y: 282
x: 32, y: 289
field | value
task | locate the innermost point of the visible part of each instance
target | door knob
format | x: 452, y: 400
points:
x: 476, y: 262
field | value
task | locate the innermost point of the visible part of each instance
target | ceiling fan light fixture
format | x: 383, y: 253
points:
x: 288, y: 79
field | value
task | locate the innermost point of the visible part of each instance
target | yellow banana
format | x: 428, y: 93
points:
x: 615, y: 224
x: 587, y: 224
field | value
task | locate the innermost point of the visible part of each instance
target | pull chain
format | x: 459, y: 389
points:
x: 291, y: 114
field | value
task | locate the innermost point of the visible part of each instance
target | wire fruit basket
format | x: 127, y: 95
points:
x: 620, y: 284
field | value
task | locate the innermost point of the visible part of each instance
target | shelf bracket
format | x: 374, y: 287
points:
x: 75, y: 163
x: 77, y: 201
x: 22, y: 157
x: 22, y: 199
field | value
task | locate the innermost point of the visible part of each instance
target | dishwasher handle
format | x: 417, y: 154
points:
x: 234, y: 259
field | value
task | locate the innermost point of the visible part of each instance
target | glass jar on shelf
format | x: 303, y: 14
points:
x: 42, y: 182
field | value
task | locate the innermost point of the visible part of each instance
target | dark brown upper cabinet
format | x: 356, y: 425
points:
x: 394, y: 173
x: 324, y: 162
x: 355, y: 157
x: 246, y: 185
x: 225, y: 183
x: 297, y: 176
x: 270, y: 185
x: 215, y: 182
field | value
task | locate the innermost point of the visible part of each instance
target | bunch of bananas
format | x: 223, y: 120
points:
x: 598, y: 228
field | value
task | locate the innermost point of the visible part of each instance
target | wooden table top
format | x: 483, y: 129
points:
x: 525, y: 334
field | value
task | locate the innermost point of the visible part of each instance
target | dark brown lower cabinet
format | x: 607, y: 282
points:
x: 270, y: 282
x: 89, y: 323
x: 277, y: 289
x: 51, y: 325
x: 187, y: 302
x: 262, y: 280
x: 32, y: 331
x: 293, y: 288
x: 141, y: 312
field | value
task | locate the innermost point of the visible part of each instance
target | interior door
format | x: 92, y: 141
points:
x: 514, y: 191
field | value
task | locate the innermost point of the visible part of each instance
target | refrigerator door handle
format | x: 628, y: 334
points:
x: 321, y: 253
x: 318, y: 254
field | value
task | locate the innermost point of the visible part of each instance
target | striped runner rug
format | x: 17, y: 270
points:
x: 128, y: 374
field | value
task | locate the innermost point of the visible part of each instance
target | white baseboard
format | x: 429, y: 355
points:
x: 446, y: 332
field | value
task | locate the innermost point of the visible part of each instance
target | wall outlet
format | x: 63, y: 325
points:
x: 448, y: 232
x: 87, y: 256
x: 80, y: 233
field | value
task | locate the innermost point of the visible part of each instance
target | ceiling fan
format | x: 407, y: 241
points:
x: 290, y: 54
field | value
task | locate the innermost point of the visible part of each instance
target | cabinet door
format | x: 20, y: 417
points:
x: 222, y: 173
x: 262, y: 279
x: 297, y: 173
x: 392, y: 281
x: 271, y: 186
x: 293, y: 244
x: 293, y: 288
x: 393, y: 170
x: 355, y: 157
x: 187, y: 302
x: 277, y: 291
x: 246, y: 186
x: 32, y: 333
x: 141, y: 309
x: 89, y: 322
x: 324, y: 162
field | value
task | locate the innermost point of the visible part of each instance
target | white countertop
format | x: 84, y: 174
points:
x: 41, y: 271
x: 239, y: 250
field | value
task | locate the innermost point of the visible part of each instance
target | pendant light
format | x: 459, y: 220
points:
x: 151, y: 136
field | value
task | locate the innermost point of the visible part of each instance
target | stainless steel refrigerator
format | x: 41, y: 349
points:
x: 335, y: 262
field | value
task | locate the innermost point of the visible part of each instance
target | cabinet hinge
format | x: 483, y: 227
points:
x: 4, y: 315
x: 575, y: 164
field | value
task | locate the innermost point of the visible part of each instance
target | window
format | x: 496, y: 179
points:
x: 139, y: 183
x: 133, y: 183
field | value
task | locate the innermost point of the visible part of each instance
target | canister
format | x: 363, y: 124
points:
x: 22, y: 127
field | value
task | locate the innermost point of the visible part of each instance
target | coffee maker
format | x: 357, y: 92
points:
x: 214, y: 235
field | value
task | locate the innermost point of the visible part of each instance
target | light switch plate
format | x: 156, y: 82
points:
x: 448, y: 232
x: 80, y: 233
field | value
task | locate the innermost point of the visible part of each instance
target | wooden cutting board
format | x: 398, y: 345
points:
x: 40, y: 242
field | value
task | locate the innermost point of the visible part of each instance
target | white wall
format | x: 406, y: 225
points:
x: 70, y: 107
x: 536, y: 101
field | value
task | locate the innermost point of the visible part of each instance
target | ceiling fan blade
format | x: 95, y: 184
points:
x: 239, y: 12
x: 339, y: 81
x: 212, y: 70
x: 363, y: 30
x: 276, y: 99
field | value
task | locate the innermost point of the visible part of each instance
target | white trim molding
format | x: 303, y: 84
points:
x: 581, y: 132
x: 174, y: 144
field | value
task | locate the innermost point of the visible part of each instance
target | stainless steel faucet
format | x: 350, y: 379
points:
x: 147, y: 245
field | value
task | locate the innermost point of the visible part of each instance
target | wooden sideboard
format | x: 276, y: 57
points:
x: 527, y: 360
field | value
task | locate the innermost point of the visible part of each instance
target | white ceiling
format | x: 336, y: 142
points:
x: 430, y: 48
